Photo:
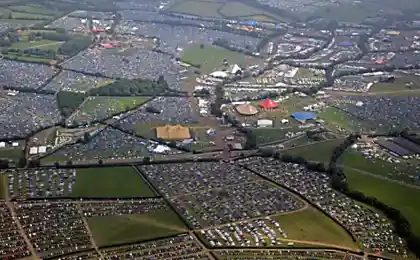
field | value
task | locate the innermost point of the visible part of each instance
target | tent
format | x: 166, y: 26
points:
x: 236, y: 69
x: 345, y: 44
x: 268, y: 104
x: 303, y: 116
x: 247, y: 110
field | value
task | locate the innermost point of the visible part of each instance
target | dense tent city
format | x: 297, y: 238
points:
x: 209, y: 130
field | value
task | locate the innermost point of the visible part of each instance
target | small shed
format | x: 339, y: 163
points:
x: 264, y: 123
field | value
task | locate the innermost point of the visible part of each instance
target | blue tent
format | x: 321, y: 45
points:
x: 345, y: 44
x: 251, y: 22
x: 303, y: 116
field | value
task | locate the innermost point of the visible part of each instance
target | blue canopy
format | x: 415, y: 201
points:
x: 303, y: 116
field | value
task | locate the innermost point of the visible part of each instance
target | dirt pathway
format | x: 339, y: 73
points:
x: 92, y: 240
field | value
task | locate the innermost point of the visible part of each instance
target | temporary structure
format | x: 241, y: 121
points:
x: 173, y: 132
x: 268, y: 104
x: 246, y: 110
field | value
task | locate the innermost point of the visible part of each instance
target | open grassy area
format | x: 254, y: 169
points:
x: 395, y: 195
x: 352, y: 13
x: 21, y: 15
x: 336, y: 119
x: 110, y: 182
x: 320, y: 151
x: 20, y: 22
x: 403, y: 82
x: 312, y: 225
x: 33, y: 9
x: 210, y: 58
x: 199, y: 8
x: 216, y: 9
x: 112, y: 230
x: 111, y: 104
x: 238, y: 9
x: 11, y: 153
x: 3, y: 186
x: 268, y: 135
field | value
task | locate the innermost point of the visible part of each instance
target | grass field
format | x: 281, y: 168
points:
x: 210, y: 58
x: 11, y: 153
x: 403, y: 82
x: 112, y: 105
x: 395, y: 195
x: 312, y: 225
x: 320, y: 151
x: 20, y: 15
x: 110, y: 182
x: 199, y: 8
x: 20, y: 22
x: 335, y: 119
x: 216, y: 9
x: 112, y: 230
x: 33, y: 9
x: 268, y: 135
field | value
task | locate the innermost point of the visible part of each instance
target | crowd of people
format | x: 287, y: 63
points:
x: 95, y: 208
x: 173, y: 110
x: 246, y: 233
x: 210, y: 194
x: 22, y: 113
x: 41, y: 182
x: 54, y: 228
x: 373, y: 230
x: 394, y: 112
x: 107, y: 144
x: 73, y: 81
x: 144, y: 64
x: 172, y: 38
x: 24, y: 75
x: 285, y: 254
x: 12, y: 244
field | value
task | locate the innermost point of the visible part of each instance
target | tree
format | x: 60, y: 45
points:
x: 201, y: 46
x: 100, y: 162
x: 146, y: 160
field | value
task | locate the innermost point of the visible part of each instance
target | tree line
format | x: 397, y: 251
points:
x: 68, y: 101
x: 339, y: 183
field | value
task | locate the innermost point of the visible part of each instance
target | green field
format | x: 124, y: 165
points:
x: 20, y: 15
x: 199, y: 8
x: 311, y: 225
x: 403, y: 83
x: 336, y: 119
x: 112, y: 105
x: 20, y: 22
x: 110, y: 182
x: 395, y: 195
x: 3, y: 186
x: 11, y: 153
x: 268, y: 135
x: 216, y: 9
x: 112, y: 230
x: 33, y: 9
x: 210, y: 58
x: 320, y: 151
